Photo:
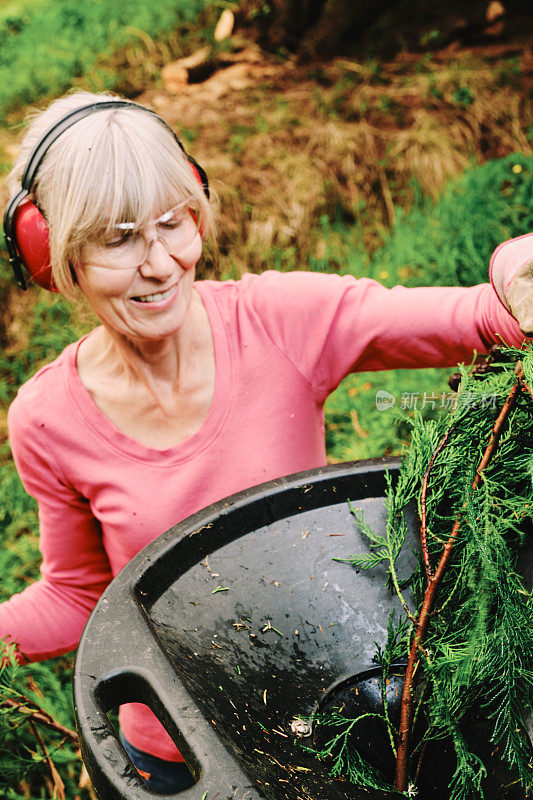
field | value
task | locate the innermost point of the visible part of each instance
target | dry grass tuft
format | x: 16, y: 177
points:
x: 431, y: 152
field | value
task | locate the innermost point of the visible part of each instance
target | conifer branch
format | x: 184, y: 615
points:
x: 57, y: 781
x: 471, y: 641
x: 37, y: 715
x: 402, y: 759
x: 423, y: 515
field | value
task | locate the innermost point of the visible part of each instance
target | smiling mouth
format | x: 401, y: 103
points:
x: 154, y: 298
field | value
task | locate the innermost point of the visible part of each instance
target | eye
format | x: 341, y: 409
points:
x: 177, y: 219
x: 117, y: 241
x: 120, y: 239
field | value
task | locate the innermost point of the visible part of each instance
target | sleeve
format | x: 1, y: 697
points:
x: 330, y: 325
x: 47, y: 618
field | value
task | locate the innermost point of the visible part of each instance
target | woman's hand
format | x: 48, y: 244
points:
x: 520, y: 297
x: 511, y: 272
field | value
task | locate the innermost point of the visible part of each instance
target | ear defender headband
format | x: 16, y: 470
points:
x: 26, y: 229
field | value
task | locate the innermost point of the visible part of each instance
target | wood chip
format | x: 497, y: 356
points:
x: 224, y: 27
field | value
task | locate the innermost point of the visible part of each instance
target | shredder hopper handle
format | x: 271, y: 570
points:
x: 119, y: 661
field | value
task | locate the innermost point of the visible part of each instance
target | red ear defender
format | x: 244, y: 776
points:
x: 198, y: 171
x: 31, y: 233
x: 25, y: 228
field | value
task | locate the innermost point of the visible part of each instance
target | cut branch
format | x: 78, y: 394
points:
x: 430, y: 596
x: 525, y: 386
x: 38, y: 715
x: 57, y: 781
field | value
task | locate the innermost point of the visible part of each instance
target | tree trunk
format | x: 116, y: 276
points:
x: 318, y: 26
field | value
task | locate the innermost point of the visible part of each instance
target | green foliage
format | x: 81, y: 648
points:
x: 478, y: 652
x: 339, y: 753
x: 448, y: 242
x: 345, y: 761
x: 52, y: 328
x: 44, y: 44
x: 463, y: 96
x: 20, y: 754
x: 442, y: 244
x: 451, y: 243
x: 20, y: 757
x: 24, y: 696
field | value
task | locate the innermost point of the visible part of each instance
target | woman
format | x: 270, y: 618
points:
x: 187, y: 391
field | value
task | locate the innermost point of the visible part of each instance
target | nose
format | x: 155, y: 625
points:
x: 158, y: 263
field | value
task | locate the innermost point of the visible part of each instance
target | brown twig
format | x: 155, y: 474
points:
x: 525, y: 386
x: 420, y: 760
x: 41, y: 717
x: 402, y: 758
x: 57, y: 781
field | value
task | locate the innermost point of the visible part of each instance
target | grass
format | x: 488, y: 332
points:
x: 46, y: 44
x: 50, y: 330
x: 445, y: 244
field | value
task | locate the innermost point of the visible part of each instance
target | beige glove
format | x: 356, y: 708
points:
x: 520, y: 297
x: 511, y: 272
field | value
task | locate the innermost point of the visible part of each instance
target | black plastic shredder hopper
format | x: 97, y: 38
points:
x: 236, y: 626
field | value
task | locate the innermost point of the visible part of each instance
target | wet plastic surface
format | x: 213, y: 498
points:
x: 232, y: 624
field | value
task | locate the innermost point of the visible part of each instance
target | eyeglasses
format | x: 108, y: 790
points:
x: 128, y: 247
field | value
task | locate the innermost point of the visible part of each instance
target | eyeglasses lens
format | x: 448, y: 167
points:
x: 129, y: 247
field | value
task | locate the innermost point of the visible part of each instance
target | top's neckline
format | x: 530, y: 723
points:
x: 102, y: 426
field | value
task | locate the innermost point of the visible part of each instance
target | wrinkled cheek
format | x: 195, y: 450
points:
x: 189, y: 257
x: 104, y: 283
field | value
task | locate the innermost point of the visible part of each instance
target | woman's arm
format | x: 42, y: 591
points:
x: 47, y: 618
x: 329, y: 325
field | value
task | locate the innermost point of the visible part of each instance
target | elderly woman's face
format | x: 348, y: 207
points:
x: 149, y: 300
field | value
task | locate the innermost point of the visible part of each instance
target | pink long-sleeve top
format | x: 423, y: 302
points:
x: 282, y: 343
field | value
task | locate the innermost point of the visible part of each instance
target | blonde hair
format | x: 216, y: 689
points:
x: 115, y: 165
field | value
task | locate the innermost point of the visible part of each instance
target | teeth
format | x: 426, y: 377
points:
x: 153, y: 298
